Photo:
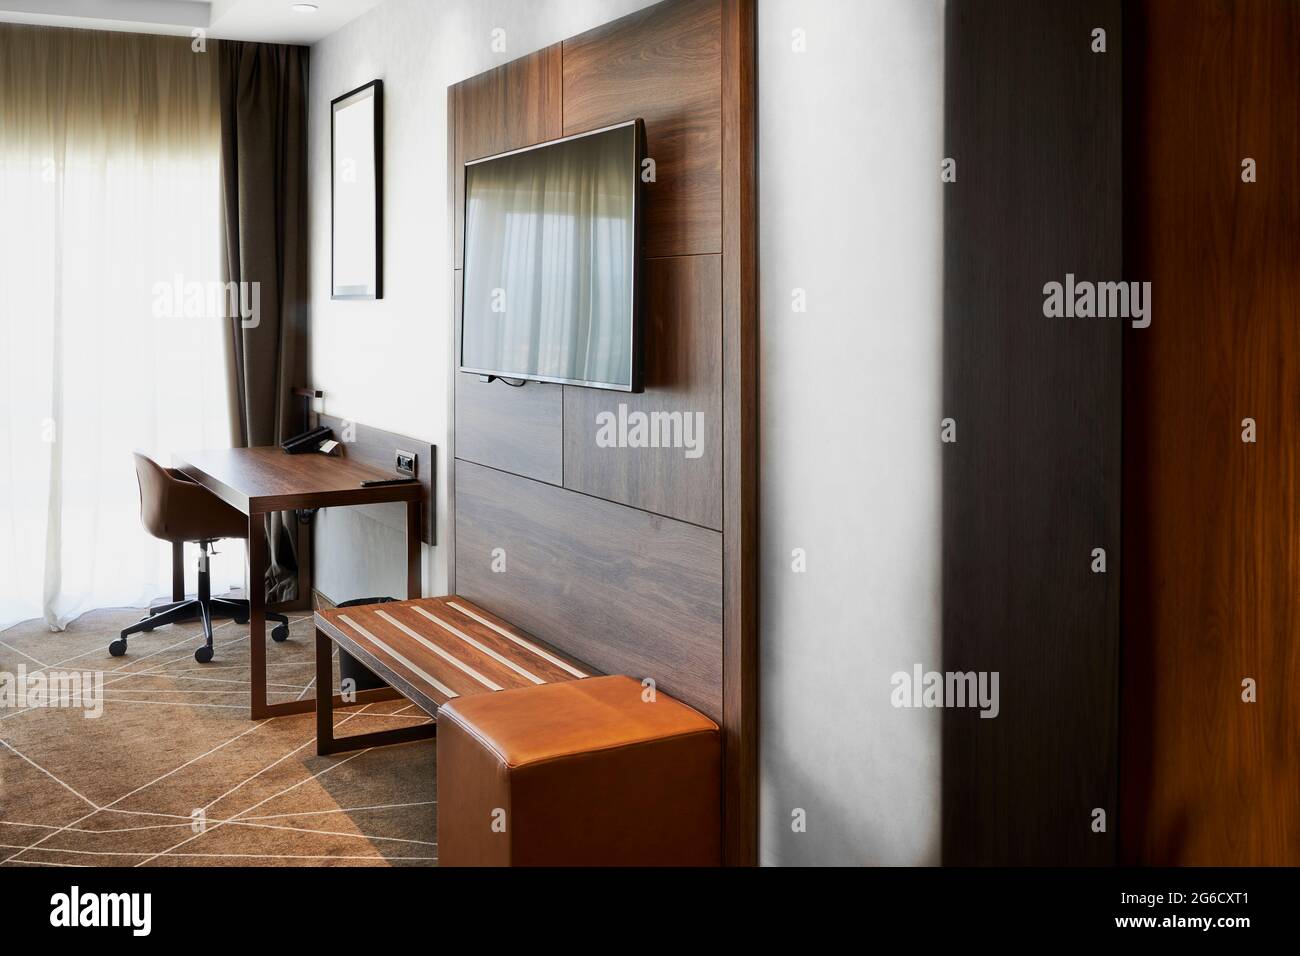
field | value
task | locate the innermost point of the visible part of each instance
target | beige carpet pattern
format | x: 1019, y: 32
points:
x: 173, y: 773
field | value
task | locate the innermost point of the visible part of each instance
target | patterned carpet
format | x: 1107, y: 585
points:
x: 173, y: 773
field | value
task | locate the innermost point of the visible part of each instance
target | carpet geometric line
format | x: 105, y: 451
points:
x: 70, y: 789
x: 157, y: 664
x: 237, y: 856
x: 232, y: 822
x: 25, y: 654
x: 250, y: 730
x: 277, y: 816
x: 272, y: 797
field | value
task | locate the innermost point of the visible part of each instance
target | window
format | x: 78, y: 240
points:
x: 110, y: 192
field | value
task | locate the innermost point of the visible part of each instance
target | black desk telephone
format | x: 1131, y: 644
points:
x: 307, y: 441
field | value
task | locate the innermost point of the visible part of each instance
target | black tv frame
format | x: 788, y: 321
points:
x: 638, y: 319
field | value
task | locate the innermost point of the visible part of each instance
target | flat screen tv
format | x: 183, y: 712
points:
x: 552, y: 244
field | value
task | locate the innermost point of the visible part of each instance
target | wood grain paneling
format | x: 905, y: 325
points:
x: 517, y: 104
x: 515, y: 429
x: 520, y: 430
x: 1211, y: 555
x: 453, y: 335
x: 628, y: 592
x: 1032, y: 484
x: 683, y: 313
x: 740, y: 404
x: 664, y: 64
x: 377, y: 448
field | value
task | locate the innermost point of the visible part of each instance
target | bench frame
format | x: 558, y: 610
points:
x: 326, y: 742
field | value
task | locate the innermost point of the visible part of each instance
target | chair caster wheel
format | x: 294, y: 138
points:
x: 280, y: 633
x: 203, y: 654
x: 118, y: 647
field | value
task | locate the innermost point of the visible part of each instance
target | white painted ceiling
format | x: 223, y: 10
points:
x: 270, y: 21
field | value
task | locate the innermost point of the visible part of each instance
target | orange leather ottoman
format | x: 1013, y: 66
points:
x: 581, y: 772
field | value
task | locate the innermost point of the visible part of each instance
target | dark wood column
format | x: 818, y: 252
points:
x: 1032, y: 484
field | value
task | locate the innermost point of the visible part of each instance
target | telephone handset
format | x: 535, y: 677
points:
x: 307, y: 441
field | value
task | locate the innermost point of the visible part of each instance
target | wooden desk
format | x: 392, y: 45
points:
x: 260, y: 481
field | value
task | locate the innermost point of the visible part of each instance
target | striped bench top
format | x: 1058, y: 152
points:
x: 435, y: 649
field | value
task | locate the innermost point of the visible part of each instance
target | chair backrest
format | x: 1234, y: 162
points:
x: 154, y: 485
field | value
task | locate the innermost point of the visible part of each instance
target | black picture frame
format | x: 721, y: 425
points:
x: 375, y: 90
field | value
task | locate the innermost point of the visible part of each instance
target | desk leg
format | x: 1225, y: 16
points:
x: 324, y: 695
x: 257, y: 615
x: 413, y: 551
x: 259, y: 708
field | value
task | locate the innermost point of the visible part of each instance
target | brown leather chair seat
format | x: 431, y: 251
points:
x: 582, y: 772
x: 176, y: 509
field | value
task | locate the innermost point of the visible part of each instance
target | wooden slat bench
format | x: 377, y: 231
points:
x: 431, y: 650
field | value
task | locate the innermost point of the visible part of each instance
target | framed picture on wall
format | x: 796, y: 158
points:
x: 357, y: 193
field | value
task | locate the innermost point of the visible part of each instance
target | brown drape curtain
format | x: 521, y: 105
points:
x: 263, y: 92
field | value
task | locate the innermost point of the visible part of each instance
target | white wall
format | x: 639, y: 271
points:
x: 387, y: 363
x: 850, y: 210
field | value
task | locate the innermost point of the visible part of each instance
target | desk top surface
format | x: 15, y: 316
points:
x: 262, y: 480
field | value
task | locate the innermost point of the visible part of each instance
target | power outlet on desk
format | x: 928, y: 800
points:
x: 405, y: 463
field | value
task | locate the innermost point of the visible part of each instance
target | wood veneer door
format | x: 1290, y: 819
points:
x: 1212, y: 523
x: 1031, y: 486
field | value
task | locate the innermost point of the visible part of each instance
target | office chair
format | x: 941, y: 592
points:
x: 176, y: 509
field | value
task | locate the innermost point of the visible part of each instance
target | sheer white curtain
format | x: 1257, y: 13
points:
x: 110, y: 249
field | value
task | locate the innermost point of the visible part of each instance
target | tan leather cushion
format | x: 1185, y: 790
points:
x: 579, y: 772
x: 555, y: 720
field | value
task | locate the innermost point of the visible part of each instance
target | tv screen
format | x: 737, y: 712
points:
x: 551, y: 250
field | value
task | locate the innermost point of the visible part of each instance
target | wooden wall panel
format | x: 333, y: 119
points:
x: 517, y: 104
x: 374, y: 446
x: 453, y: 334
x: 625, y: 591
x: 740, y: 428
x: 1211, y: 554
x: 520, y: 430
x: 663, y: 64
x: 1032, y: 484
x: 683, y: 312
x: 635, y: 589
